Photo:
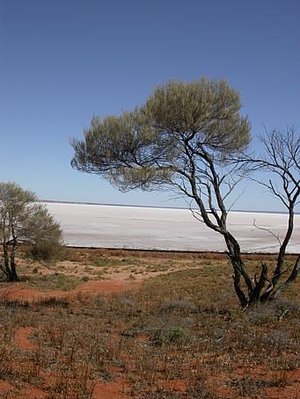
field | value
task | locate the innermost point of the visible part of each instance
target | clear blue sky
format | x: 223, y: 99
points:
x: 63, y: 61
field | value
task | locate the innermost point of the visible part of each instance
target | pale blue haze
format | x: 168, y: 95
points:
x: 63, y: 61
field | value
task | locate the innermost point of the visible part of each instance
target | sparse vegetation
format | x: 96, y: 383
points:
x: 173, y: 336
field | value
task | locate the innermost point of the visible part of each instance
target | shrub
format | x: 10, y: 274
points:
x: 45, y: 251
x: 171, y: 335
x: 178, y: 306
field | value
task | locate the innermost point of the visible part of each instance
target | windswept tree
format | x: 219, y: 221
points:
x: 22, y: 220
x: 183, y: 138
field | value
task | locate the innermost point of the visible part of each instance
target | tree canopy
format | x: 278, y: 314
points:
x: 22, y: 220
x: 180, y: 124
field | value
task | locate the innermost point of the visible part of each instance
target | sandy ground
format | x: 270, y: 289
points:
x: 106, y: 226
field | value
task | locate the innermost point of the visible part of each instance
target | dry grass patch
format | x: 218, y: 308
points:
x: 180, y: 335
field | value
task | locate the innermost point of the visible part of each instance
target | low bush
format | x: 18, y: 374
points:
x: 46, y: 251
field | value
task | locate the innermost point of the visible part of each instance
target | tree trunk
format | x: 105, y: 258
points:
x: 234, y: 255
x: 253, y: 290
x: 13, y: 272
x: 9, y: 265
x: 5, y: 263
x: 14, y: 276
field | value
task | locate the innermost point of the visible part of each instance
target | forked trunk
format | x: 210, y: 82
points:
x: 249, y: 291
x: 8, y: 266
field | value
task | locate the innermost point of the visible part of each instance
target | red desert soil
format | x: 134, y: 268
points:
x: 116, y: 388
x: 16, y: 292
x: 109, y: 390
x: 22, y: 337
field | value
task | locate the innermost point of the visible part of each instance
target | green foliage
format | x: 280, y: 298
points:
x: 23, y: 220
x: 149, y: 147
x: 207, y: 109
x: 14, y: 211
x: 46, y: 251
x: 171, y: 335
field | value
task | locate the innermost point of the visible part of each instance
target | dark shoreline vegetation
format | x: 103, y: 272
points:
x: 175, y: 330
x: 260, y: 255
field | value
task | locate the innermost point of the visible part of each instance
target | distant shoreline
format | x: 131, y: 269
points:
x: 151, y: 206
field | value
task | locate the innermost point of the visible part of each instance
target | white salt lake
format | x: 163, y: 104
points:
x: 110, y: 226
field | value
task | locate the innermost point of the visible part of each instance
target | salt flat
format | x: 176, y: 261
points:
x: 167, y: 229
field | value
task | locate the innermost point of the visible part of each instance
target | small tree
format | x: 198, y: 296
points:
x: 185, y: 137
x: 22, y: 220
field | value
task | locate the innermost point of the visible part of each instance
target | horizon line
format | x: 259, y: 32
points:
x: 150, y: 206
